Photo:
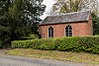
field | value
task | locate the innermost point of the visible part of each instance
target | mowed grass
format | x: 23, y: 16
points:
x: 57, y: 55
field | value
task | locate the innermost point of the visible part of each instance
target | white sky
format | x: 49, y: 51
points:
x: 48, y: 4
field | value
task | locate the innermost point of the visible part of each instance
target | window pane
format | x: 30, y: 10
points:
x: 68, y: 31
x: 50, y: 32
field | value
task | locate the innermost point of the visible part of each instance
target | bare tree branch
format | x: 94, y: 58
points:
x: 66, y: 6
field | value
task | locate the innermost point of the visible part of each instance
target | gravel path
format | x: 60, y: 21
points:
x: 2, y: 52
x: 6, y: 60
x: 24, y: 61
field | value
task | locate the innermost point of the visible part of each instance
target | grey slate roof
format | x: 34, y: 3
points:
x: 67, y: 18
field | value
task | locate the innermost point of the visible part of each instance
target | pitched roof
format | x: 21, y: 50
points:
x: 67, y: 18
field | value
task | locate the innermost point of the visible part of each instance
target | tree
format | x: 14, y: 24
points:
x: 67, y: 6
x: 18, y: 18
x: 95, y: 19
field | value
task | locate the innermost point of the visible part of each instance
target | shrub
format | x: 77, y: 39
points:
x: 85, y: 44
x: 32, y: 36
x: 44, y: 44
x: 67, y: 44
x: 36, y: 44
x: 47, y: 44
x: 89, y: 44
x: 21, y: 44
x: 0, y: 44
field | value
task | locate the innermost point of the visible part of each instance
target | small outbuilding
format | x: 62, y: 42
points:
x: 70, y: 24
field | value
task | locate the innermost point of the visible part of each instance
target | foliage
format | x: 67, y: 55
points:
x: 33, y: 36
x: 4, y: 33
x: 19, y: 18
x: 44, y: 44
x: 0, y: 44
x: 21, y: 44
x: 67, y: 44
x: 89, y: 44
x: 95, y: 20
x: 86, y: 44
x: 47, y: 44
x: 67, y: 6
x: 78, y: 44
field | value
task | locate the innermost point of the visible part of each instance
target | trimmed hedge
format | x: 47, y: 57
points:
x: 44, y: 44
x: 21, y: 44
x: 67, y: 44
x: 85, y: 44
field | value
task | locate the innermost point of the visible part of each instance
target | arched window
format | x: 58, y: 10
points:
x: 50, y: 32
x: 68, y: 30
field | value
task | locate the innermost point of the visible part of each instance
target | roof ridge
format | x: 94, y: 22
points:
x: 77, y: 12
x: 69, y: 13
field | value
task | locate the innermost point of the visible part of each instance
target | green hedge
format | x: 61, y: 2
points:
x: 44, y: 44
x: 89, y: 44
x: 85, y: 44
x: 21, y: 44
x: 67, y: 44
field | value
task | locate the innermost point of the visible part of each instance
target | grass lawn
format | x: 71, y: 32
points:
x: 57, y: 55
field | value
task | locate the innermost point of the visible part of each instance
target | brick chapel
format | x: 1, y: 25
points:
x: 70, y: 24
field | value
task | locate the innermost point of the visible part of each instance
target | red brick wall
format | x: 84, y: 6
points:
x: 90, y: 26
x: 78, y: 29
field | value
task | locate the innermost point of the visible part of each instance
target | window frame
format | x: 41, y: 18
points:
x: 50, y: 32
x: 68, y: 30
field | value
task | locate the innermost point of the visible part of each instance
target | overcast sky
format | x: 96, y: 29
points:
x: 48, y: 4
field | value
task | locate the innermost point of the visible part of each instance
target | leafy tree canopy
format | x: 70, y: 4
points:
x: 18, y: 18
